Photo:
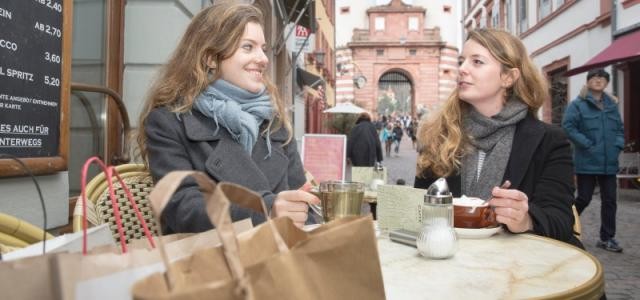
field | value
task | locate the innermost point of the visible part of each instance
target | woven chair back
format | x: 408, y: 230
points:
x: 140, y: 185
x: 100, y: 208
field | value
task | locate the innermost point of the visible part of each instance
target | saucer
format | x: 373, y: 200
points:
x: 477, y: 233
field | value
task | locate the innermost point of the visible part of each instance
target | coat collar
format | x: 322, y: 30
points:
x: 230, y: 162
x: 200, y: 128
x: 528, y: 135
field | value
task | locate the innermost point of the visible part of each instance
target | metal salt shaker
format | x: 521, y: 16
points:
x: 437, y: 238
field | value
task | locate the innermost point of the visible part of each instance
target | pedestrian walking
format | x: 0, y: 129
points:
x: 592, y: 122
x: 487, y: 137
x: 397, y: 136
x: 411, y: 132
x: 363, y: 144
x: 386, y: 137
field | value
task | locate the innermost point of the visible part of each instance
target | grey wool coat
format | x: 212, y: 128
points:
x: 189, y: 141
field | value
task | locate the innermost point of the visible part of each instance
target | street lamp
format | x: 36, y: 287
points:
x: 358, y: 80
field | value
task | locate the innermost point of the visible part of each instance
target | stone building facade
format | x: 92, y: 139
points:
x: 409, y: 68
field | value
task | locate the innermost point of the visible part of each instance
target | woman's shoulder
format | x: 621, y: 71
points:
x: 160, y: 112
x: 532, y: 129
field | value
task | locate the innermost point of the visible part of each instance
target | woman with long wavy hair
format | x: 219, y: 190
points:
x: 489, y: 144
x: 214, y: 110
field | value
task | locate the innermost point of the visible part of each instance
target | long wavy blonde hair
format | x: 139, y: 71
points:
x: 443, y: 140
x: 213, y: 34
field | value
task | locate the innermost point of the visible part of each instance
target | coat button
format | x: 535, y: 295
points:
x: 217, y: 163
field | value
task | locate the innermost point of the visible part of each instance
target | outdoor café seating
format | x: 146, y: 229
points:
x: 99, y: 207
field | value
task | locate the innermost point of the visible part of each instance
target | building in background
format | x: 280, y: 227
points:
x: 566, y: 38
x: 316, y: 71
x: 395, y: 58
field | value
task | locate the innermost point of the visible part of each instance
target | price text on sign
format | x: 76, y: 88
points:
x: 30, y: 77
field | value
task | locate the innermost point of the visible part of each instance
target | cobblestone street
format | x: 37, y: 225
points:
x: 622, y: 270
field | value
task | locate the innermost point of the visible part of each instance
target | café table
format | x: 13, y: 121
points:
x: 503, y: 266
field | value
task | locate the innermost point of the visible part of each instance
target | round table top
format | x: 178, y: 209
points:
x: 504, y: 266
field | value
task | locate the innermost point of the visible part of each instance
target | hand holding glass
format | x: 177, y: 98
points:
x: 339, y: 199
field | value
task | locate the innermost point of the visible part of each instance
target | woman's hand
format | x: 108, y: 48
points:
x: 512, y: 209
x: 294, y: 204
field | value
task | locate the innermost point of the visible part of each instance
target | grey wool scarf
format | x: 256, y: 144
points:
x: 494, y: 137
x: 239, y: 111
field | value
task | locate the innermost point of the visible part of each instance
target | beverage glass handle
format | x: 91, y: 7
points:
x: 316, y: 209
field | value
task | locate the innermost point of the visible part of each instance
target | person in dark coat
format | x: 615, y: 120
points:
x: 213, y: 110
x: 363, y: 144
x: 397, y: 136
x: 592, y: 122
x: 487, y: 134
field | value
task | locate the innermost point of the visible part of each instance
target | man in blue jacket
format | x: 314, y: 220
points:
x: 592, y: 122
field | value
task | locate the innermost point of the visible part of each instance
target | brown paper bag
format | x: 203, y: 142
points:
x: 106, y: 275
x: 110, y: 275
x: 275, y: 260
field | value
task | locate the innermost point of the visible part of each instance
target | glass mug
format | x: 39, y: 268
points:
x: 338, y: 199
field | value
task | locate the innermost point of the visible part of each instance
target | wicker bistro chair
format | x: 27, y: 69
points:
x: 100, y: 209
x: 16, y: 233
x: 629, y: 167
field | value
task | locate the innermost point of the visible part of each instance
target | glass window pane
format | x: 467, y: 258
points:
x: 379, y: 23
x: 413, y: 23
x: 88, y: 110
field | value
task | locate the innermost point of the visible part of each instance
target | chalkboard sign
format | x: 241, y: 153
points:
x: 34, y: 83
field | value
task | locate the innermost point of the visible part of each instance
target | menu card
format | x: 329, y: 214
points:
x: 324, y: 155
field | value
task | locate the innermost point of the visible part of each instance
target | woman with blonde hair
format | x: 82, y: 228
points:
x: 489, y: 144
x: 214, y: 110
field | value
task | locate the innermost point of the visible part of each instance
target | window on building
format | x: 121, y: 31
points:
x: 523, y: 23
x: 486, y: 19
x: 559, y: 3
x: 495, y: 15
x: 544, y: 8
x: 495, y: 19
x: 446, y: 9
x: 413, y: 52
x: 508, y: 16
x: 344, y: 10
x: 413, y: 23
x: 379, y: 23
x: 379, y: 52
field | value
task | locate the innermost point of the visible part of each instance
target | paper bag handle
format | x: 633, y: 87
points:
x: 109, y: 173
x: 217, y: 201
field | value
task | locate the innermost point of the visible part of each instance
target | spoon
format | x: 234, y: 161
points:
x: 504, y: 185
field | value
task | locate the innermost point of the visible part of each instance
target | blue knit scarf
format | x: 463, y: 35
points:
x: 239, y: 111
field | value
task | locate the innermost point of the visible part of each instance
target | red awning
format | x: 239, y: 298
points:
x: 625, y: 48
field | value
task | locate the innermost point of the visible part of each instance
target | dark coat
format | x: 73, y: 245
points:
x: 397, y: 133
x: 597, y: 134
x: 540, y: 166
x: 190, y: 142
x: 363, y: 145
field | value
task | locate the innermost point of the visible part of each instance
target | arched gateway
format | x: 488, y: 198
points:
x: 395, y: 94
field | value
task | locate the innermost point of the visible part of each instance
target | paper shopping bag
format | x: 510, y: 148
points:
x: 72, y: 242
x: 110, y: 275
x: 275, y: 260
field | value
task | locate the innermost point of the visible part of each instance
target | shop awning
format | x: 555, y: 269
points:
x: 622, y: 49
x: 304, y: 78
